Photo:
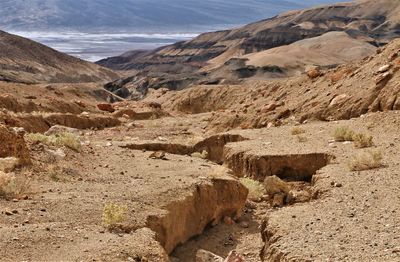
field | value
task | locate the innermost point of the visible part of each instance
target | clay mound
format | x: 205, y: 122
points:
x: 328, y: 50
x: 23, y: 60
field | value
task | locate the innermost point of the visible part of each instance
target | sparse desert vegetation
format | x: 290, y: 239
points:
x: 256, y: 188
x: 363, y: 141
x: 370, y: 159
x: 69, y: 140
x: 297, y: 131
x: 114, y: 215
x: 12, y: 186
x: 343, y: 133
x: 360, y: 140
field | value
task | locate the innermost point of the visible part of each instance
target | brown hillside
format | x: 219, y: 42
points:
x: 23, y: 60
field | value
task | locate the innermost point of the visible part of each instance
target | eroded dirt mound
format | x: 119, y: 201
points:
x: 13, y: 145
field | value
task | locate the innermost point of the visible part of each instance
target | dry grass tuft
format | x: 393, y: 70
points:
x: 366, y: 160
x: 202, y: 155
x: 63, y: 139
x: 343, y: 133
x: 297, y: 131
x: 12, y: 186
x: 114, y: 215
x: 362, y: 141
x: 256, y: 188
x: 346, y: 134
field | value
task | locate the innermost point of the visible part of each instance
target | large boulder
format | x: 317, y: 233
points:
x: 13, y: 145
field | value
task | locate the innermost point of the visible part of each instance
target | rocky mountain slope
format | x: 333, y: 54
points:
x: 138, y: 15
x: 23, y: 60
x: 343, y: 92
x: 222, y: 56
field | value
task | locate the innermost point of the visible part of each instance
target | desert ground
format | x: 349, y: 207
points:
x: 85, y: 180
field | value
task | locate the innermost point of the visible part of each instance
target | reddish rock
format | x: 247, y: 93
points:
x: 106, y: 107
x: 313, y: 73
x: 80, y: 103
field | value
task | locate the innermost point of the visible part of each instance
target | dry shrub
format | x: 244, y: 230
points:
x: 256, y: 188
x: 63, y: 139
x: 343, y: 133
x: 366, y: 160
x: 12, y: 186
x: 297, y: 131
x: 302, y: 139
x: 363, y: 141
x: 202, y: 155
x: 114, y: 215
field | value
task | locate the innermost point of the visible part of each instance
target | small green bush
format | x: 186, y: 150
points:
x: 256, y: 188
x: 114, y: 214
x: 63, y: 139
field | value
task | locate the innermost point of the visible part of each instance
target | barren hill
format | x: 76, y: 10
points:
x: 23, y: 60
x: 373, y: 21
x: 221, y: 56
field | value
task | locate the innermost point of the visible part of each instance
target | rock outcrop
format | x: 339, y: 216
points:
x: 13, y: 145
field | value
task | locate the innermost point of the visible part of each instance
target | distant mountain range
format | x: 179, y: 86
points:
x: 139, y: 15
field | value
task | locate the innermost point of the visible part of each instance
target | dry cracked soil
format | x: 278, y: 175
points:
x: 302, y: 169
x: 176, y: 202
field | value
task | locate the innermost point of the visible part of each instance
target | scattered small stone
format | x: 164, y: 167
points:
x: 250, y: 205
x: 228, y: 221
x: 158, y: 155
x: 383, y: 68
x: 162, y: 138
x: 244, y: 224
x: 206, y: 256
x: 234, y: 257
